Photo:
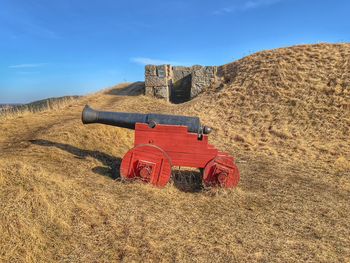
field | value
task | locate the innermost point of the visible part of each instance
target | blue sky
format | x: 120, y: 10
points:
x: 68, y: 47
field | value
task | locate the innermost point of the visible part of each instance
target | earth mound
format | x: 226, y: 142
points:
x: 283, y: 113
x: 285, y: 102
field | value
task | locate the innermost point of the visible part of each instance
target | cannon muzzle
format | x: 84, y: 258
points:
x: 89, y: 115
x: 129, y: 120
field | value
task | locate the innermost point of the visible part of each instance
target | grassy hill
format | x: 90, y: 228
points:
x: 284, y: 114
x: 8, y: 106
x: 35, y: 106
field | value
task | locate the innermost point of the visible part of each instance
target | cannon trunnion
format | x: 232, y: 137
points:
x: 159, y: 145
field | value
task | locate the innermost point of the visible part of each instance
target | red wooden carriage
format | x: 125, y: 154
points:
x: 166, y: 141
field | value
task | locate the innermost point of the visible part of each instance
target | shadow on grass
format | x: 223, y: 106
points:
x: 184, y: 180
x: 111, y: 163
x: 187, y: 180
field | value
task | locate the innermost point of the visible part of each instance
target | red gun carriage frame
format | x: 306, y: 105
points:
x: 157, y: 149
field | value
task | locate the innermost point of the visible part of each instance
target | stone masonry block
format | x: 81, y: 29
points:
x: 162, y: 93
x: 149, y: 91
x: 150, y: 70
x: 154, y: 81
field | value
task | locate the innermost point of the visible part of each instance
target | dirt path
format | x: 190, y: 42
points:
x: 18, y: 131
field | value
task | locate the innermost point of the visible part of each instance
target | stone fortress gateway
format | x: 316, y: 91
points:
x: 178, y: 84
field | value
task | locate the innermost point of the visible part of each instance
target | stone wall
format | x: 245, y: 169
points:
x: 157, y: 81
x: 180, y: 72
x: 202, y: 77
x: 176, y: 83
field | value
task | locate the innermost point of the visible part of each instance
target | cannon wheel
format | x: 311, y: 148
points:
x: 221, y: 172
x: 147, y: 163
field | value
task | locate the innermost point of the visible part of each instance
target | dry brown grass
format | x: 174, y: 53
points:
x: 283, y: 114
x: 35, y: 107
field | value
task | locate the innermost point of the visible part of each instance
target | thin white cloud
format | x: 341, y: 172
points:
x: 42, y: 31
x: 224, y: 10
x: 24, y: 24
x: 248, y: 5
x: 152, y: 61
x: 258, y: 3
x: 33, y: 65
x: 28, y: 72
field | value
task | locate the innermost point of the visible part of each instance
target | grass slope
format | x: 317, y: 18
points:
x: 9, y: 110
x: 283, y: 113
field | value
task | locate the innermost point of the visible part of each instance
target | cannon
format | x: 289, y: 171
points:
x: 166, y: 141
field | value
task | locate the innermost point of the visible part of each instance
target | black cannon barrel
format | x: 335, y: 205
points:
x: 128, y: 120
